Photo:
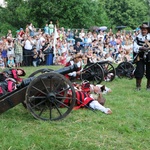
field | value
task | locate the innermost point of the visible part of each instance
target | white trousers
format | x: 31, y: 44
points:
x: 97, y: 106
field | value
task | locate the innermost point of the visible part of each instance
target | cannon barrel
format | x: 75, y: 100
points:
x: 14, y: 98
x: 67, y: 69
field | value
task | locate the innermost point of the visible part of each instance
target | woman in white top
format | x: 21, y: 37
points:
x: 27, y: 52
x: 10, y: 47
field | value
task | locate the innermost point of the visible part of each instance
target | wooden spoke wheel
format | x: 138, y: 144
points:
x: 50, y: 97
x: 125, y: 69
x: 36, y: 74
x: 93, y: 72
x: 109, y: 71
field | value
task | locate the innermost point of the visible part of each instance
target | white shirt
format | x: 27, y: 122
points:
x: 141, y: 38
x: 28, y: 45
x: 74, y: 73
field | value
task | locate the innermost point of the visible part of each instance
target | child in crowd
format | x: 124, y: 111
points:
x: 11, y: 62
x: 2, y: 65
x: 61, y: 60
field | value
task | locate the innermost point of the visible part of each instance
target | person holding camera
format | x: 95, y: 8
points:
x: 10, y: 47
x: 35, y: 57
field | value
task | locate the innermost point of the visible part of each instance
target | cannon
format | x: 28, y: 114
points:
x: 98, y: 72
x: 125, y: 70
x: 46, y: 96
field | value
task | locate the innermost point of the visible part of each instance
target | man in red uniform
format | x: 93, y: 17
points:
x: 77, y: 59
x: 84, y: 98
x: 9, y: 79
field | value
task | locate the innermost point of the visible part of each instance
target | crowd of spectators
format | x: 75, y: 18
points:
x: 30, y: 46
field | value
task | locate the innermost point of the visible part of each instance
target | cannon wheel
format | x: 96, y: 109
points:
x: 37, y: 73
x: 40, y: 71
x: 93, y: 72
x: 47, y: 97
x: 125, y: 69
x: 109, y: 71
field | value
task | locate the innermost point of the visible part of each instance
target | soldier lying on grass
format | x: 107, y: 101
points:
x: 85, y: 97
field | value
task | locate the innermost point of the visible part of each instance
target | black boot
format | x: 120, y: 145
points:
x: 148, y: 84
x: 138, y: 84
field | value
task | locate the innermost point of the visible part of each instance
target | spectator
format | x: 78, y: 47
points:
x: 21, y: 32
x: 10, y: 47
x: 27, y: 31
x: 28, y: 51
x: 46, y: 29
x: 87, y: 40
x: 61, y: 60
x: 31, y: 29
x: 71, y: 49
x: 70, y: 36
x: 9, y: 34
x: 4, y: 53
x: 2, y: 65
x: 89, y: 56
x: 109, y: 58
x: 51, y: 27
x: 18, y: 47
x: 35, y: 57
x: 11, y: 62
x: 76, y: 34
x: 78, y: 48
x: 82, y: 34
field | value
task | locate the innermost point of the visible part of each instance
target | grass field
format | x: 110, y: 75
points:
x: 128, y: 128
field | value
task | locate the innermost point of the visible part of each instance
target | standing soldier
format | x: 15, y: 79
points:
x: 141, y: 49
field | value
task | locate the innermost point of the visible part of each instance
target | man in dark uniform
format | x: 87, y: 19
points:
x: 141, y: 52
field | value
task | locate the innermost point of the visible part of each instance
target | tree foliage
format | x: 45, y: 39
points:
x: 74, y: 13
x: 127, y: 12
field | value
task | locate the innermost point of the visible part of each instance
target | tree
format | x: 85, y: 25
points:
x: 14, y: 15
x: 127, y: 12
x: 74, y: 13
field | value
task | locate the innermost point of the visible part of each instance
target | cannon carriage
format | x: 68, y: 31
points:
x: 125, y: 70
x: 45, y: 95
x: 98, y: 72
x: 105, y: 71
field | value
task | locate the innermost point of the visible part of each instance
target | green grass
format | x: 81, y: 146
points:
x: 126, y: 129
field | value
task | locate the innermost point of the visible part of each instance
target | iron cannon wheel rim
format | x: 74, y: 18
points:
x: 37, y: 98
x: 37, y: 73
x: 93, y: 72
x: 109, y: 71
x: 123, y: 69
